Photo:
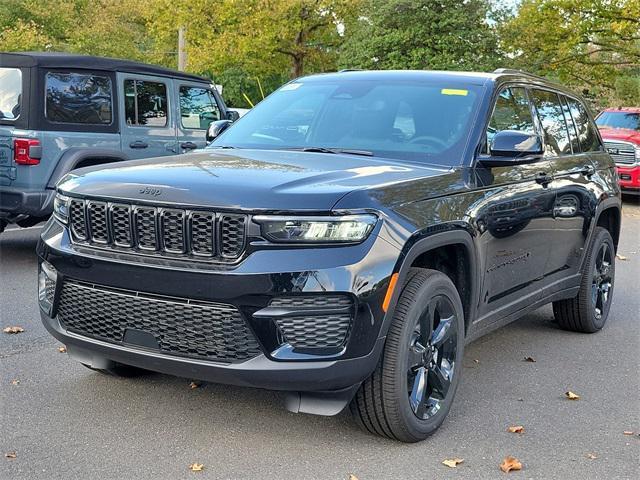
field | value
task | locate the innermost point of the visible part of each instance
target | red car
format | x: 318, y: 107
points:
x: 620, y: 130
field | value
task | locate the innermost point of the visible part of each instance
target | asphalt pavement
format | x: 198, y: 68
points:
x: 64, y: 421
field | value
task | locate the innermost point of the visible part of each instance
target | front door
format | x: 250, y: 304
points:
x: 197, y: 108
x: 148, y: 125
x: 514, y: 218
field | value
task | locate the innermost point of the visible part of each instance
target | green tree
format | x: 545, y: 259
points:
x: 587, y: 44
x: 422, y: 34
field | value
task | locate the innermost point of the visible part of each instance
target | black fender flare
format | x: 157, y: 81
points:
x: 73, y: 156
x: 415, y: 248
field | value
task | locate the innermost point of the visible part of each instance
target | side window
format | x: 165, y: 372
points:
x: 198, y: 108
x: 556, y: 135
x: 587, y: 136
x: 145, y: 103
x: 511, y: 112
x: 573, y: 134
x: 78, y: 98
x: 10, y: 93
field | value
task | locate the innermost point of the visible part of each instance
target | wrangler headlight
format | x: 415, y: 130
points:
x: 61, y: 208
x: 345, y: 229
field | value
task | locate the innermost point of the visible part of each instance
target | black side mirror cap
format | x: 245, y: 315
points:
x: 232, y: 115
x: 513, y: 143
x: 216, y: 128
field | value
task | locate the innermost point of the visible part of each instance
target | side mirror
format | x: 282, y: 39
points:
x: 512, y: 147
x: 216, y: 128
x: 232, y: 115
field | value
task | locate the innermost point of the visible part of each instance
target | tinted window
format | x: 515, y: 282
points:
x: 10, y: 93
x: 628, y: 120
x: 198, y: 107
x: 413, y: 120
x: 512, y: 112
x: 573, y: 134
x: 587, y: 134
x: 145, y: 103
x: 549, y: 108
x: 78, y: 98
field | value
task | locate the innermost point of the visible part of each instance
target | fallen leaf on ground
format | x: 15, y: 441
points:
x: 15, y: 381
x: 62, y: 349
x: 591, y: 456
x: 510, y: 463
x: 620, y: 257
x: 453, y: 462
x: 516, y: 429
x: 476, y: 360
x: 627, y: 432
x: 196, y: 467
x: 352, y: 477
x: 11, y: 454
x: 193, y: 385
x: 11, y: 330
x: 530, y: 359
x: 572, y: 396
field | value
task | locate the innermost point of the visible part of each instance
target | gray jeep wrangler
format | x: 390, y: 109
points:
x: 59, y: 112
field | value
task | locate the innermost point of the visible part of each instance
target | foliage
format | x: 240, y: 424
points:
x: 422, y: 34
x: 587, y: 44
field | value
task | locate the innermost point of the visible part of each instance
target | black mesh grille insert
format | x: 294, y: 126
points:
x: 155, y: 230
x: 184, y: 328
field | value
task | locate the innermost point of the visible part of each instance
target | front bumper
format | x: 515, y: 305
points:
x: 360, y: 271
x: 629, y: 179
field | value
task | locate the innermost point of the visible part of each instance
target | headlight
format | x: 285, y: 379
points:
x: 347, y: 228
x: 637, y: 154
x: 61, y: 208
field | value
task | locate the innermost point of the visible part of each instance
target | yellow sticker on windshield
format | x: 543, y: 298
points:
x: 454, y: 91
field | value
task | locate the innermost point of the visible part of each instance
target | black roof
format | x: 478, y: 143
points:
x: 71, y: 60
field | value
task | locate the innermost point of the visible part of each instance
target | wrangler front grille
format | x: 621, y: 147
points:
x: 180, y: 326
x: 158, y: 230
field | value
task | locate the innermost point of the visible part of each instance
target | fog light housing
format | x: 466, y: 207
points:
x: 47, y: 279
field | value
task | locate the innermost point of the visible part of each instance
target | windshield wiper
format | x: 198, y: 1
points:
x: 347, y: 151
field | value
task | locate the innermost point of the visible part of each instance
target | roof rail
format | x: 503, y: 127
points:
x: 518, y: 72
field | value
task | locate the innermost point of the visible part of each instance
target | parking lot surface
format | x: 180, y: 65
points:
x: 64, y: 421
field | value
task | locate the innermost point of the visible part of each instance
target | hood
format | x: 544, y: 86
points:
x: 242, y: 179
x: 623, y: 134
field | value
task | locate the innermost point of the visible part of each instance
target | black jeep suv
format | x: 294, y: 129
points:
x: 342, y: 242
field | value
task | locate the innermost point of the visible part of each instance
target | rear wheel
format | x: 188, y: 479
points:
x: 411, y: 391
x: 119, y: 370
x: 587, y: 312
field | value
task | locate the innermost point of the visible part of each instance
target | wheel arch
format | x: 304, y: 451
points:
x: 83, y: 157
x: 435, y: 251
x: 610, y: 218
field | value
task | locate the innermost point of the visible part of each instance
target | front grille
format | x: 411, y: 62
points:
x: 622, y: 152
x: 157, y: 230
x: 326, y: 324
x: 181, y: 327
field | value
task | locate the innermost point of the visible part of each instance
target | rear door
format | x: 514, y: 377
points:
x: 148, y: 122
x: 197, y: 107
x: 11, y: 99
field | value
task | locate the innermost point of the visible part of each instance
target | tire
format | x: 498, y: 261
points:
x: 119, y: 370
x: 386, y: 403
x: 587, y: 312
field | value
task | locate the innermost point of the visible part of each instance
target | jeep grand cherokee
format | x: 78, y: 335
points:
x: 341, y: 242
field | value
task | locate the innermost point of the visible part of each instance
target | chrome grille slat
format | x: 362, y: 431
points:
x: 621, y: 152
x: 175, y: 232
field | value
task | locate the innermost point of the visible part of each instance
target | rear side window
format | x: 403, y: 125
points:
x: 78, y: 98
x: 198, y: 108
x: 553, y: 122
x: 573, y: 133
x: 587, y: 134
x: 10, y: 93
x: 512, y: 112
x: 145, y: 103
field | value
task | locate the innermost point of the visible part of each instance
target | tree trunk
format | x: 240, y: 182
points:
x: 297, y: 66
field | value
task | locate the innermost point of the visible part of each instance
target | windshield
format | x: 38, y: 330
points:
x: 414, y: 120
x: 628, y: 120
x: 10, y: 93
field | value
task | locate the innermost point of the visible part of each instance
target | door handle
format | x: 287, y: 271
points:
x: 587, y: 170
x: 138, y: 144
x: 188, y: 145
x: 543, y: 178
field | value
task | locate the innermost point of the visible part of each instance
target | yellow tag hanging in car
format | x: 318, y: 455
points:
x: 454, y: 91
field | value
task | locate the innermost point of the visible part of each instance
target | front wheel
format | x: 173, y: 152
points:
x: 411, y: 391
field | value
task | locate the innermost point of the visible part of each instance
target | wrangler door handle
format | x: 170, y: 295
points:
x: 543, y: 178
x: 188, y: 145
x: 138, y: 144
